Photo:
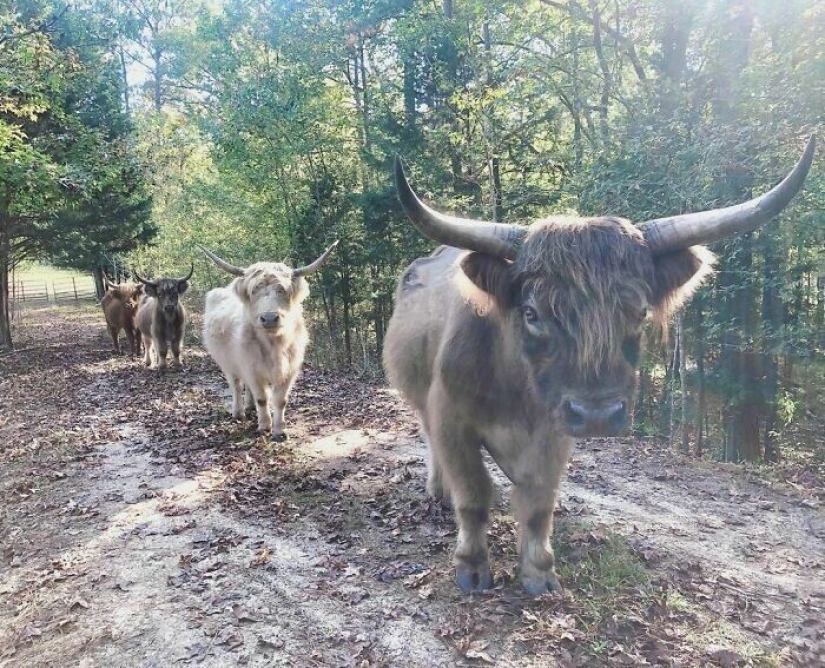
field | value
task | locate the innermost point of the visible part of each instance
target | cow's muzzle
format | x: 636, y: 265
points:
x: 606, y: 418
x: 269, y: 320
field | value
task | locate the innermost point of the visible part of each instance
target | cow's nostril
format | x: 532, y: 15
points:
x: 574, y: 413
x: 616, y: 410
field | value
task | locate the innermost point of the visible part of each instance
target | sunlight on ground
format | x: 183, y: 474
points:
x: 339, y: 444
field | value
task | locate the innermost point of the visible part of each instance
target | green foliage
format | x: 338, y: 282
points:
x: 70, y: 188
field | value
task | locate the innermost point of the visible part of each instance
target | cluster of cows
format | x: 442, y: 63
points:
x: 254, y: 329
x: 512, y: 339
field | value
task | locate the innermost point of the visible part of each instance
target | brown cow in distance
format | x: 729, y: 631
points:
x: 119, y: 305
x: 519, y: 339
x: 161, y: 318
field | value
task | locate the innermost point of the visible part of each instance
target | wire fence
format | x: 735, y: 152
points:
x: 27, y: 293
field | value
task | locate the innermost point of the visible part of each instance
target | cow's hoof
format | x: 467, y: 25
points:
x: 473, y: 578
x: 546, y: 583
x: 279, y: 438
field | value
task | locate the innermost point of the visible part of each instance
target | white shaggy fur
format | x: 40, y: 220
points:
x: 264, y: 359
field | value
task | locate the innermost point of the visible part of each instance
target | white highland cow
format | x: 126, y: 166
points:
x: 254, y: 329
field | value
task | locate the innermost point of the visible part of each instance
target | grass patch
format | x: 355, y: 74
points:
x: 46, y: 273
x: 604, y: 574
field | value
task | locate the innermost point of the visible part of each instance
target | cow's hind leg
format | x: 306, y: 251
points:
x: 436, y: 487
x: 249, y: 399
x: 236, y: 387
x: 457, y: 451
x: 435, y: 479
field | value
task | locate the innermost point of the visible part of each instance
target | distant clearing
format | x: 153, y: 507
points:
x: 44, y: 272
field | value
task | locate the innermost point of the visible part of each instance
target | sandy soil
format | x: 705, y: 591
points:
x: 140, y: 526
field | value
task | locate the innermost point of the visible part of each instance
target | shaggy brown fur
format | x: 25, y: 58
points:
x: 119, y: 307
x: 518, y: 357
x: 161, y: 320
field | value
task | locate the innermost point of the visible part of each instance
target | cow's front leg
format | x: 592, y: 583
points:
x: 534, y: 513
x: 263, y: 395
x: 161, y: 350
x: 176, y: 352
x: 138, y: 339
x: 279, y: 405
x: 458, y: 456
x: 113, y: 332
x: 130, y: 337
x: 147, y: 352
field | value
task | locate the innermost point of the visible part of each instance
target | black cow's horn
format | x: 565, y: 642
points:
x: 189, y: 275
x: 231, y: 268
x: 665, y: 235
x: 498, y: 239
x: 143, y: 280
x: 315, y: 266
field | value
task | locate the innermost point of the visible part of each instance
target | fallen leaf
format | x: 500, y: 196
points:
x: 261, y: 558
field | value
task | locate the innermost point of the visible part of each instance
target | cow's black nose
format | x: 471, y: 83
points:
x: 269, y: 319
x: 169, y: 308
x: 604, y: 419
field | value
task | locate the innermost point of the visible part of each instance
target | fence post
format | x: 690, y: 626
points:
x: 74, y: 286
x: 22, y: 292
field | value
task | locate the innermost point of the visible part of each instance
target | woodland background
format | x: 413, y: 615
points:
x: 132, y: 129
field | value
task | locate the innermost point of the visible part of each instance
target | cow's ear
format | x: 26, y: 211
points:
x: 150, y: 290
x: 677, y: 275
x: 300, y: 289
x: 183, y: 286
x: 489, y: 274
x: 239, y: 286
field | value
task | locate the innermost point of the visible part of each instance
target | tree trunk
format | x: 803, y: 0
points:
x: 673, y: 41
x: 97, y: 273
x: 5, y: 304
x: 122, y: 53
x: 683, y: 385
x: 493, y: 161
x: 699, y: 354
x: 607, y: 78
x: 771, y: 330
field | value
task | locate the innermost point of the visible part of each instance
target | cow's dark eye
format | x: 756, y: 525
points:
x: 632, y: 350
x: 530, y: 314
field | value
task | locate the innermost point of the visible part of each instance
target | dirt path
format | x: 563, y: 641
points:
x: 142, y: 527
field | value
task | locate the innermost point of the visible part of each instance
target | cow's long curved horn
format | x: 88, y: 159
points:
x: 498, y: 239
x: 315, y: 266
x: 665, y: 235
x: 189, y: 275
x: 231, y: 268
x: 144, y: 281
